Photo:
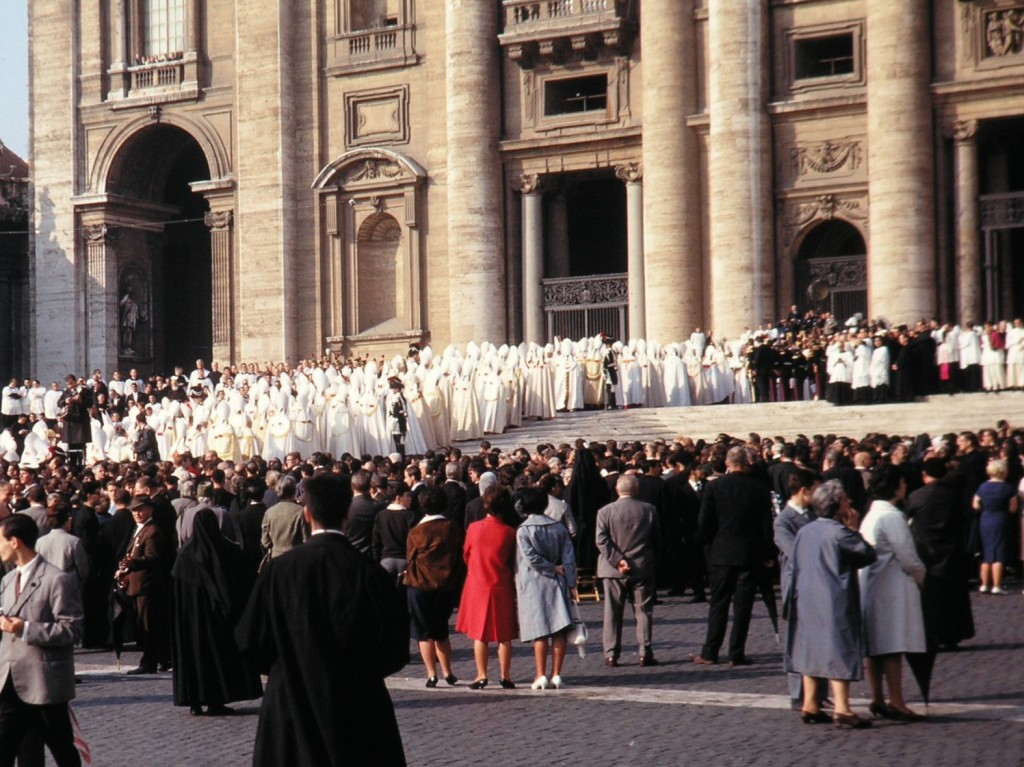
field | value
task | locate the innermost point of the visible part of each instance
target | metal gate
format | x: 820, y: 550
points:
x: 835, y: 285
x: 582, y: 307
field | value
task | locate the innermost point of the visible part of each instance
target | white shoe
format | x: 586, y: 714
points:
x: 539, y: 683
x: 983, y: 589
x: 997, y: 590
x: 556, y: 682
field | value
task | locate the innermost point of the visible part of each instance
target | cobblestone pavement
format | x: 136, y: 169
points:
x: 673, y: 714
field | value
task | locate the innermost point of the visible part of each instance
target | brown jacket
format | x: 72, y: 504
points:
x: 434, y: 554
x: 150, y: 557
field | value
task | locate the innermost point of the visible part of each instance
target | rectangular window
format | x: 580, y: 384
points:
x: 576, y: 95
x: 830, y: 56
x: 164, y: 26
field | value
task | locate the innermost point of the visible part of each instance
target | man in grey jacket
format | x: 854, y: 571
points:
x: 41, y: 621
x: 628, y: 541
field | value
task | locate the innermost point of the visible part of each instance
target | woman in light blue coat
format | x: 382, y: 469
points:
x: 545, y: 582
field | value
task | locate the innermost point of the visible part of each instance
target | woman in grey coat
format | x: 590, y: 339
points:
x: 545, y: 581
x: 823, y: 602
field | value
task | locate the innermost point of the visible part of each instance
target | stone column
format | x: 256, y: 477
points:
x: 632, y: 174
x: 672, y: 216
x: 970, y: 307
x: 103, y: 327
x: 533, y: 259
x: 221, y: 249
x: 556, y: 236
x: 901, y: 255
x: 739, y: 172
x: 476, y: 254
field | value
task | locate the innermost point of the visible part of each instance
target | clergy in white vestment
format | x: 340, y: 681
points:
x: 674, y: 379
x: 1015, y: 355
x: 881, y: 366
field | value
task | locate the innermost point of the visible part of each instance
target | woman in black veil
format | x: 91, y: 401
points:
x: 211, y: 586
x: 587, y: 492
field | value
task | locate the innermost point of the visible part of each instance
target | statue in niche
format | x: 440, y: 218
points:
x: 130, y: 315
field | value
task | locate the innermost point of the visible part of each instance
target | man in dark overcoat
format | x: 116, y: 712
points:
x: 324, y: 622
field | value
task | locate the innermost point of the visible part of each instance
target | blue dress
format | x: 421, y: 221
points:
x: 994, y: 525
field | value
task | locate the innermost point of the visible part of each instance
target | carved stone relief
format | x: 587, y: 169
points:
x: 373, y: 170
x: 1004, y: 32
x: 825, y: 157
x: 824, y: 207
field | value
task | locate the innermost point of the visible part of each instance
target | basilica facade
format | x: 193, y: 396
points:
x: 268, y: 180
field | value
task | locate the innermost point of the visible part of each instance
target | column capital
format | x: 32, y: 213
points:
x: 528, y: 183
x: 961, y: 130
x: 98, y: 233
x: 218, y: 220
x: 630, y: 173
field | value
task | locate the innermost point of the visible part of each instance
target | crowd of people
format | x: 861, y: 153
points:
x: 169, y: 552
x: 423, y: 400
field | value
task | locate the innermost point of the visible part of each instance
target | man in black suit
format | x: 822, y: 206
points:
x: 361, y: 515
x: 683, y: 551
x: 736, y: 526
x: 456, y: 494
x: 325, y: 702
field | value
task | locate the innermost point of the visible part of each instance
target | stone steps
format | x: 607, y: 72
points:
x: 934, y: 415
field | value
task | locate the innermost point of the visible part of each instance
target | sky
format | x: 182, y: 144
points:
x: 14, y: 75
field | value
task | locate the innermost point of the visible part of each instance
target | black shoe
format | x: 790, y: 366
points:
x: 818, y: 717
x: 195, y: 710
x: 432, y: 682
x: 479, y: 684
x: 141, y: 670
x: 611, y: 661
x: 508, y: 684
x: 451, y: 679
x: 740, y: 662
x: 648, y: 659
x: 163, y: 667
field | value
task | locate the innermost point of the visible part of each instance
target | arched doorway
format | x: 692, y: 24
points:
x: 831, y: 271
x: 163, y: 252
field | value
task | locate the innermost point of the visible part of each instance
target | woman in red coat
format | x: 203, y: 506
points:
x: 487, y: 612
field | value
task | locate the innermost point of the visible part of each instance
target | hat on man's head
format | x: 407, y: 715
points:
x: 142, y: 502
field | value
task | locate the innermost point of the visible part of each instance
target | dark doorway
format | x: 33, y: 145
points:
x: 187, y: 277
x: 597, y: 226
x: 1001, y: 163
x: 831, y: 271
x: 164, y: 256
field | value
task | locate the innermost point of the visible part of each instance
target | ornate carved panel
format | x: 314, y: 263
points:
x: 1004, y: 32
x: 1002, y: 211
x: 585, y: 291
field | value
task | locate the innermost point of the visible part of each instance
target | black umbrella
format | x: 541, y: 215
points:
x: 122, y: 619
x: 921, y: 666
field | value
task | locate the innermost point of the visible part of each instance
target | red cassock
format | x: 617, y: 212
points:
x: 488, y: 608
